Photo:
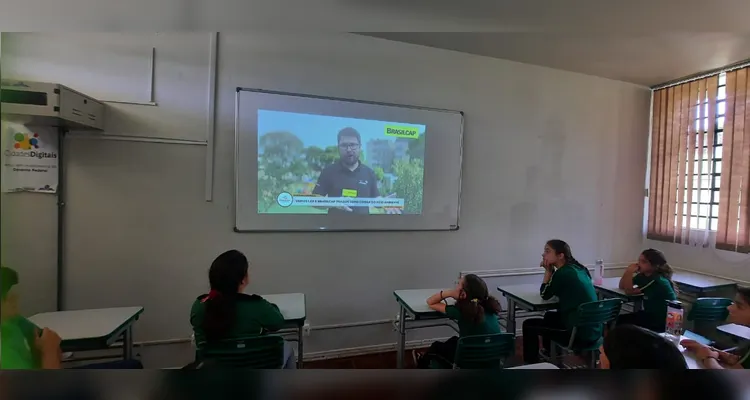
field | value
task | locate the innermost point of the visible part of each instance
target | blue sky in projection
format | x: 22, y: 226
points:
x: 321, y: 130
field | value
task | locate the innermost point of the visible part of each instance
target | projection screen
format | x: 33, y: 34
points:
x: 313, y: 163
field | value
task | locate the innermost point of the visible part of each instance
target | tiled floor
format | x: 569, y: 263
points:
x: 383, y: 361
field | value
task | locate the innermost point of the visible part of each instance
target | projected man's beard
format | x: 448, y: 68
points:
x: 350, y: 158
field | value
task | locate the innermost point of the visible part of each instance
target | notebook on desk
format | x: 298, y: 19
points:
x: 698, y: 338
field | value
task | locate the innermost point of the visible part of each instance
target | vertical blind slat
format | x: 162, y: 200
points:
x: 655, y: 138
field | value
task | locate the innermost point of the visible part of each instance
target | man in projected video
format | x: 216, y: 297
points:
x: 349, y: 177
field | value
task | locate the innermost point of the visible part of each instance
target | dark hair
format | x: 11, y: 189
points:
x: 633, y: 347
x: 349, y: 132
x: 477, y: 301
x: 657, y: 260
x: 560, y: 247
x: 225, y: 276
x: 8, y: 279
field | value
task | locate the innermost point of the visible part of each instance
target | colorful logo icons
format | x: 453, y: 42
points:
x: 25, y: 141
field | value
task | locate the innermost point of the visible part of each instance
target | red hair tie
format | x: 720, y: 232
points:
x: 212, y: 294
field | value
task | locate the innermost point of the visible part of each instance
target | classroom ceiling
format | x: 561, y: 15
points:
x: 643, y: 59
x: 645, y: 42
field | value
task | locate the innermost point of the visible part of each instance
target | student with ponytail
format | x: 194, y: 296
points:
x: 475, y: 311
x: 570, y: 281
x: 653, y: 278
x: 227, y: 313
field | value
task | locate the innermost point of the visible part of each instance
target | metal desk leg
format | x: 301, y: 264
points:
x: 127, y: 343
x: 401, y: 337
x: 637, y: 305
x: 511, y: 321
x: 300, y: 339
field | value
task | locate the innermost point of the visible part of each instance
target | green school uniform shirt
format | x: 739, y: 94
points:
x: 17, y: 344
x: 489, y: 325
x: 572, y: 286
x: 656, y: 291
x: 255, y: 316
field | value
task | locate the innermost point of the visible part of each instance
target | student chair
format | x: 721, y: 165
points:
x: 259, y: 352
x: 482, y: 352
x: 709, y: 309
x: 595, y: 313
x: 705, y: 313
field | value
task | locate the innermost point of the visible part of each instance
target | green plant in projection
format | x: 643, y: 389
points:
x: 384, y: 185
x: 416, y: 148
x: 281, y: 164
x: 409, y: 182
x: 379, y: 173
x: 318, y: 159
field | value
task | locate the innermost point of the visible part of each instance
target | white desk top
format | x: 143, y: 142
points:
x: 529, y: 294
x: 415, y: 300
x: 87, y: 324
x: 739, y: 331
x: 690, y: 359
x: 537, y: 366
x: 700, y: 281
x: 612, y: 286
x: 291, y: 305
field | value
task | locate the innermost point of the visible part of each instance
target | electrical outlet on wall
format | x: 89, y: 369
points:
x: 306, y: 329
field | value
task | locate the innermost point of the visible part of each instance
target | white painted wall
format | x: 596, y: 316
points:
x: 708, y: 260
x: 547, y: 154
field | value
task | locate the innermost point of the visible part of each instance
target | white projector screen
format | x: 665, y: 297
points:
x: 311, y: 163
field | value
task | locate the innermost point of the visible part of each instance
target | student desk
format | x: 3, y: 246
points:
x: 690, y: 359
x: 93, y: 329
x: 525, y: 297
x: 610, y: 287
x: 738, y: 331
x: 413, y: 308
x: 700, y: 284
x: 536, y: 366
x: 292, y: 307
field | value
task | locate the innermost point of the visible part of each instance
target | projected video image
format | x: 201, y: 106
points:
x: 318, y: 164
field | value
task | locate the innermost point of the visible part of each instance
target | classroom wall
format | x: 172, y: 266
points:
x: 707, y: 260
x: 547, y: 153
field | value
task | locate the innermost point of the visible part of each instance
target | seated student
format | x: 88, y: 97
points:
x: 24, y: 346
x: 475, y: 311
x: 570, y: 281
x: 227, y: 313
x: 654, y: 279
x: 711, y: 358
x: 633, y: 347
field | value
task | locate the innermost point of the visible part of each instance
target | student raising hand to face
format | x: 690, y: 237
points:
x: 549, y: 267
x: 474, y: 310
x: 627, y: 279
x: 47, y: 343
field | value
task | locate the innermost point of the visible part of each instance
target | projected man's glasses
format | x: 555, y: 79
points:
x: 349, y: 146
